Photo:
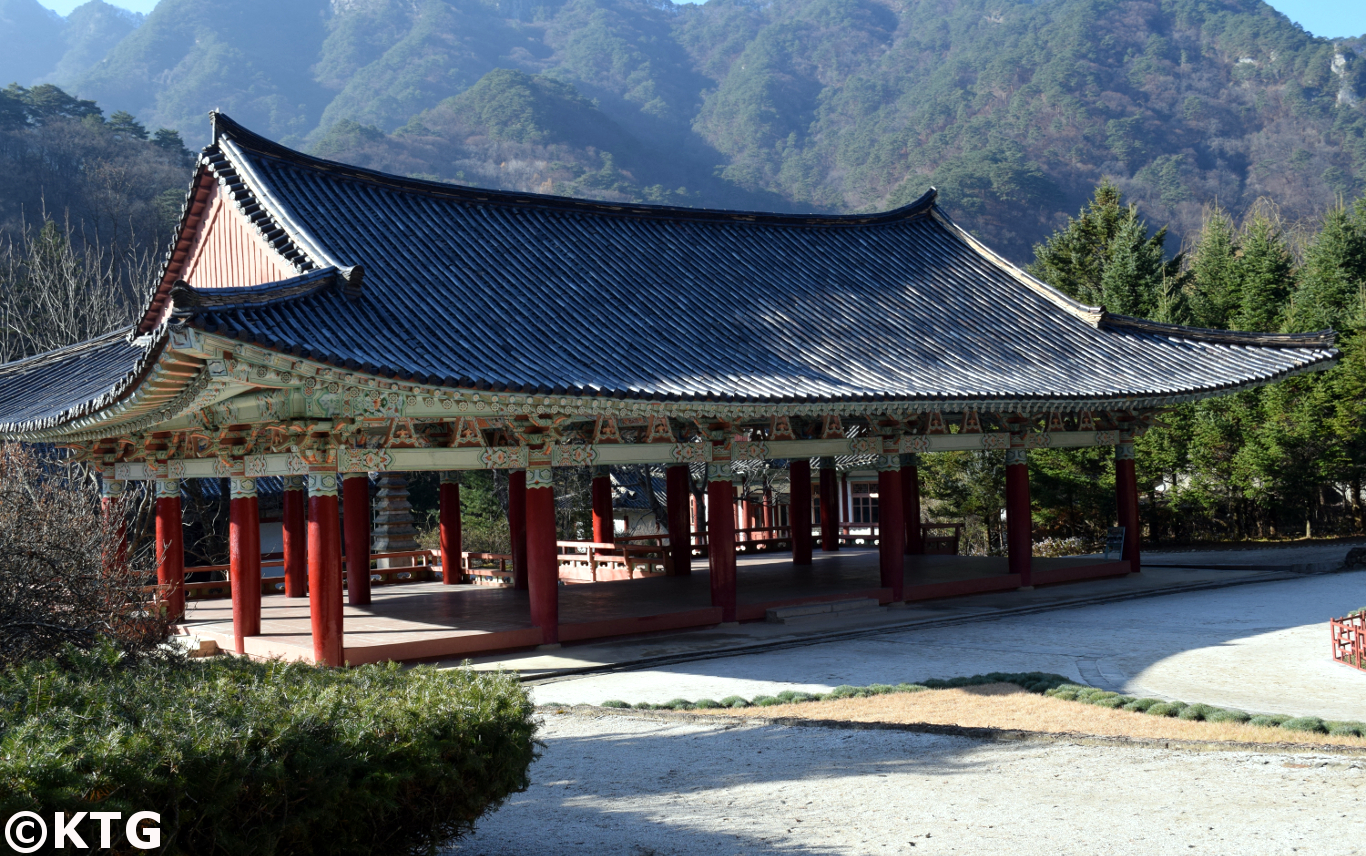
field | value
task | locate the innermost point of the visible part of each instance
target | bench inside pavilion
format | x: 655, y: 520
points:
x: 320, y: 322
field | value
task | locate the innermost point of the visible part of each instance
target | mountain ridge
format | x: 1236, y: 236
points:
x: 1013, y: 109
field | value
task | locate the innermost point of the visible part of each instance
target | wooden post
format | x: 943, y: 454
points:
x: 111, y: 491
x: 830, y: 511
x: 891, y: 531
x: 543, y: 562
x: 910, y: 503
x: 678, y: 494
x: 324, y: 569
x: 356, y: 517
x: 604, y: 527
x: 1126, y: 498
x: 244, y: 561
x: 721, y: 538
x: 517, y: 526
x: 451, y: 549
x: 296, y: 535
x: 170, y: 547
x: 799, y: 512
x: 1019, y: 517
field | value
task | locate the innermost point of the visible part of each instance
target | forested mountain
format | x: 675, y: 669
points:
x: 1013, y: 109
x: 39, y: 45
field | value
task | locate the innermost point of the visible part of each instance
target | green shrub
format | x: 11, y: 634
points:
x: 615, y: 703
x: 846, y: 691
x: 1166, y: 708
x: 1310, y: 724
x: 645, y: 705
x: 734, y: 701
x: 1142, y: 705
x: 1222, y: 715
x: 707, y: 704
x: 1197, y: 712
x: 244, y: 758
x: 765, y: 701
x: 1347, y: 729
x: 1268, y: 721
x: 678, y: 704
x: 1114, y: 702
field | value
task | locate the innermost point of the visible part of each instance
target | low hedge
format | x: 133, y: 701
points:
x: 1203, y: 712
x: 1035, y: 682
x: 1045, y: 683
x: 247, y: 758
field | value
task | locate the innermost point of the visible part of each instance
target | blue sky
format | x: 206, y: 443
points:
x: 1329, y: 18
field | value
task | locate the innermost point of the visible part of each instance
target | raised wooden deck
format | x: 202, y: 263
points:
x: 420, y: 621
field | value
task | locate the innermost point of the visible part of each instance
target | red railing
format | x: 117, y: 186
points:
x: 420, y: 568
x: 591, y: 562
x: 1349, y: 640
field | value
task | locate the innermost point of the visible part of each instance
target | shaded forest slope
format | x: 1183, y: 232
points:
x: 1013, y: 109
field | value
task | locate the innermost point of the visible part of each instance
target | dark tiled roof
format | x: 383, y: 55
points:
x: 72, y: 381
x: 531, y: 293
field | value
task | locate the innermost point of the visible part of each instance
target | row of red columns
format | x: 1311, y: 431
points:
x: 531, y: 514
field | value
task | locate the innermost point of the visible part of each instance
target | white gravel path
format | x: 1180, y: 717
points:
x: 1263, y: 648
x: 610, y: 785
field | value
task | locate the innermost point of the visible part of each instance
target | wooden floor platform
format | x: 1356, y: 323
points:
x: 419, y: 621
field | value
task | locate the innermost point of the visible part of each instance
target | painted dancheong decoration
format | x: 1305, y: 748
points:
x: 314, y: 318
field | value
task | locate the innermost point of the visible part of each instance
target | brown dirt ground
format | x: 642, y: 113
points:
x: 1007, y: 706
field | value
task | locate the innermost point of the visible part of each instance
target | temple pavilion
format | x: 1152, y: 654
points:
x: 320, y: 322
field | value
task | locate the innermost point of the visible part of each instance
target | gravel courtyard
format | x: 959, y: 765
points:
x: 617, y: 785
x: 1261, y: 648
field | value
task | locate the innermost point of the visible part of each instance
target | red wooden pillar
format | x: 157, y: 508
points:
x: 324, y: 569
x: 356, y: 518
x: 170, y: 547
x: 799, y: 512
x: 451, y: 550
x: 721, y: 538
x: 1126, y: 496
x: 1019, y: 517
x: 830, y: 509
x: 678, y: 494
x: 244, y: 561
x: 891, y: 538
x: 604, y: 527
x: 543, y: 561
x: 910, y: 503
x: 111, y: 494
x: 295, y: 539
x: 517, y: 526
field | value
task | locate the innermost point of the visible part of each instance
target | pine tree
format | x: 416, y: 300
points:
x: 1105, y: 256
x: 1214, y: 276
x: 1073, y: 260
x: 1265, y: 276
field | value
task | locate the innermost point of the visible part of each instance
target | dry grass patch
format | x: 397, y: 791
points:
x: 1007, y: 706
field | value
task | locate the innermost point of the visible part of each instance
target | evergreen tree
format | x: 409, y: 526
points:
x: 1073, y: 260
x: 1265, y: 276
x: 1214, y: 275
x: 1105, y: 256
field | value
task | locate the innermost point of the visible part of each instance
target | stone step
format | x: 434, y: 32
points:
x: 826, y: 609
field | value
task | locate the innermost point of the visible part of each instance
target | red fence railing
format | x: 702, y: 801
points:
x: 1349, y: 640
